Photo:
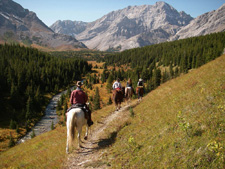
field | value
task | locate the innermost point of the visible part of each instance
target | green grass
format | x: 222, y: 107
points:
x: 181, y: 124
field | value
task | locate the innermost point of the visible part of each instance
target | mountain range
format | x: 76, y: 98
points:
x: 137, y: 26
x: 131, y: 27
x: 21, y: 25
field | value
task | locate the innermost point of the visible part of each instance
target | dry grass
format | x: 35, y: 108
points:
x: 178, y: 125
x: 46, y: 150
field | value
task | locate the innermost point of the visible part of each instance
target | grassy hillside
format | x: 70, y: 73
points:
x: 181, y: 124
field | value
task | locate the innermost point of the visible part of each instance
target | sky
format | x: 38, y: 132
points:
x: 49, y: 11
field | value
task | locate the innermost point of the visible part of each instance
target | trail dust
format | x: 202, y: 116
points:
x: 90, y: 154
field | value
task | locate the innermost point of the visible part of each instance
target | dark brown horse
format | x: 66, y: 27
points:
x: 140, y: 92
x: 118, y: 96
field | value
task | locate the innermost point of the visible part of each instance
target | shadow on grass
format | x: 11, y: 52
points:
x: 103, y: 143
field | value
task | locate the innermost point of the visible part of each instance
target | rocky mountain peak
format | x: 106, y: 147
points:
x: 8, y: 6
x: 69, y: 27
x: 210, y: 22
x: 134, y: 26
x: 19, y: 24
x: 137, y: 26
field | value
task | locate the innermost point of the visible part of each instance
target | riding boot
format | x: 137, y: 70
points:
x: 89, y: 120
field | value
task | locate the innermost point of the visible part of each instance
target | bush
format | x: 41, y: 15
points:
x: 11, y: 141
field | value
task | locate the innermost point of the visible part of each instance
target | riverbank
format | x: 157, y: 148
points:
x: 50, y: 118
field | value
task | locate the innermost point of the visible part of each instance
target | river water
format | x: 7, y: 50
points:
x: 45, y: 124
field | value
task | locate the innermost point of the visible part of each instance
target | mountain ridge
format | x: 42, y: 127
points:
x: 23, y: 26
x: 129, y: 27
x: 210, y: 22
x: 138, y: 26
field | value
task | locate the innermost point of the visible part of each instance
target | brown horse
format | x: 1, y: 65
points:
x: 140, y: 92
x: 118, y: 97
x: 128, y: 94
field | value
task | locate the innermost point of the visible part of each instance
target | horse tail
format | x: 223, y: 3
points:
x: 72, y: 125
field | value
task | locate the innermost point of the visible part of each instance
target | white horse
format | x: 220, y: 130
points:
x: 75, y: 119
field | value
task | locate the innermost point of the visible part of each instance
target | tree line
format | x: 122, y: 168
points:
x: 27, y: 74
x: 160, y: 62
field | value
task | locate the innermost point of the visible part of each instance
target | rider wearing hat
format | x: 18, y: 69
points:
x: 78, y: 98
x: 140, y: 85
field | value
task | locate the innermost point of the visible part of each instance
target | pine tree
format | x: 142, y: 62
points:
x: 65, y: 107
x: 33, y: 134
x: 13, y: 124
x: 52, y: 126
x: 29, y: 108
x: 96, y: 101
x: 156, y: 77
x: 11, y: 141
x: 109, y: 83
x: 110, y: 101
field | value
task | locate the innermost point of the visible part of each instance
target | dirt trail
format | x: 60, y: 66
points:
x: 90, y: 155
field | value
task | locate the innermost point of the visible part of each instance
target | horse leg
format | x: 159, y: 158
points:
x: 86, y: 134
x: 126, y: 89
x: 116, y: 105
x: 69, y: 135
x: 67, y: 142
x: 79, y: 129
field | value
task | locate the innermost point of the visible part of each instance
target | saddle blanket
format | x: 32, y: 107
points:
x: 81, y: 106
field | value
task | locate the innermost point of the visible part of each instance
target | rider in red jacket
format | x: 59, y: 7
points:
x: 78, y: 98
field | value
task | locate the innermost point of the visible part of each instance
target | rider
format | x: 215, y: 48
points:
x: 129, y: 85
x: 140, y: 85
x: 78, y: 98
x: 117, y: 85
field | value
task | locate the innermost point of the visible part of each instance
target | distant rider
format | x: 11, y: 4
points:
x: 129, y: 85
x: 140, y: 86
x: 117, y: 85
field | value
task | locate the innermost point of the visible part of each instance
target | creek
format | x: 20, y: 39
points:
x: 50, y: 118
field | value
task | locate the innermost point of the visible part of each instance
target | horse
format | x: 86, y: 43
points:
x: 140, y: 92
x: 75, y: 119
x: 118, y: 97
x: 128, y: 94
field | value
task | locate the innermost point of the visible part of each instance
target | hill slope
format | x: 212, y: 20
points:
x: 178, y: 125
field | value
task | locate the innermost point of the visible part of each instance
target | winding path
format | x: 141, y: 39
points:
x: 93, y: 148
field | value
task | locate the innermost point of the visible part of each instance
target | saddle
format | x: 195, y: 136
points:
x: 81, y: 106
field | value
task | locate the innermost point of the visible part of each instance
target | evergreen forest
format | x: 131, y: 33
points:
x: 27, y: 75
x: 158, y: 63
